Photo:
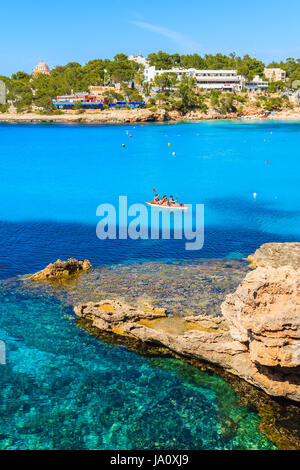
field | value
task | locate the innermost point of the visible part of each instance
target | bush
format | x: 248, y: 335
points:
x: 4, y: 108
x: 289, y: 105
x: 227, y: 104
x: 150, y: 104
x: 273, y: 104
x: 240, y: 98
x: 214, y: 98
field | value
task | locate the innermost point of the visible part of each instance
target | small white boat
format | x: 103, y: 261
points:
x: 169, y: 207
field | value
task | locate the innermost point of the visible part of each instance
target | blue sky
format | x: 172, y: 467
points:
x: 61, y: 31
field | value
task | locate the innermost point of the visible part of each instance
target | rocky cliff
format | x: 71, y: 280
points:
x: 264, y: 315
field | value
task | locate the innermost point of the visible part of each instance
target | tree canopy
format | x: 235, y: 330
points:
x: 245, y: 65
x: 25, y: 89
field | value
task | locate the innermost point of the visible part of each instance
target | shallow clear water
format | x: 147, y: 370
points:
x: 183, y: 288
x: 64, y: 389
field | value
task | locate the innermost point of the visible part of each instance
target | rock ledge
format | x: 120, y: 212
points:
x: 257, y: 338
x: 61, y: 270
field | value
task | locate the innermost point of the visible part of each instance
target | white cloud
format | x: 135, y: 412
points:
x: 185, y: 44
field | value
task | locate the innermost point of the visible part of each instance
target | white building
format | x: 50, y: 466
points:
x: 139, y: 59
x: 275, y: 74
x: 206, y: 79
x: 219, y: 80
x: 41, y: 68
x: 257, y: 84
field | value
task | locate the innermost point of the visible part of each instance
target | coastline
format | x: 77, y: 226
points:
x: 139, y: 116
x: 209, y: 342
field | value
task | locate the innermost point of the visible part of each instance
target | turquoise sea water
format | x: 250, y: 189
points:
x: 53, y: 177
x: 64, y: 389
x: 60, y: 387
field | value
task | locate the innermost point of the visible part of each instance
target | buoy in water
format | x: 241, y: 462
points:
x: 169, y: 144
x: 130, y: 135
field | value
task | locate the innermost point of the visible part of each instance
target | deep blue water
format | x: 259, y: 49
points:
x: 62, y: 388
x: 53, y: 177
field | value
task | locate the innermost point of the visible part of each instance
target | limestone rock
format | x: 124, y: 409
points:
x: 257, y: 338
x: 114, y: 313
x: 264, y: 314
x: 148, y: 308
x: 276, y: 255
x: 61, y: 270
x: 209, y: 341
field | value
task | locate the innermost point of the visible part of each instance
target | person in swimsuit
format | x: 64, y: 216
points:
x: 164, y: 200
x: 156, y: 198
x: 171, y: 201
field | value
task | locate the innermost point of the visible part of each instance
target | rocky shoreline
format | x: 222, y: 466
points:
x: 124, y: 116
x: 257, y: 337
x: 251, y: 339
x: 254, y: 334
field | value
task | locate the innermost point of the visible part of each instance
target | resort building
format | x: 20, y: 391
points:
x: 275, y: 74
x: 83, y: 100
x: 89, y: 101
x: 100, y: 89
x: 223, y: 80
x: 2, y: 92
x: 41, y: 68
x: 257, y: 84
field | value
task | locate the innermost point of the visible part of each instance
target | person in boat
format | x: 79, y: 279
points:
x: 156, y: 198
x: 171, y: 201
x: 164, y: 200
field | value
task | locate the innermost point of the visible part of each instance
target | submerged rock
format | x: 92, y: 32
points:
x: 61, y: 270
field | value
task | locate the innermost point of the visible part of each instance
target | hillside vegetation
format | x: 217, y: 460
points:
x: 25, y: 90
